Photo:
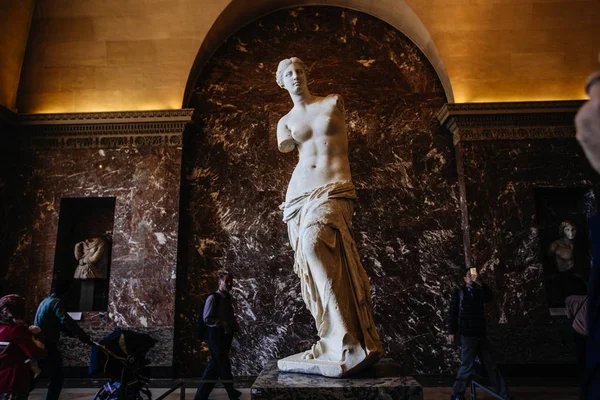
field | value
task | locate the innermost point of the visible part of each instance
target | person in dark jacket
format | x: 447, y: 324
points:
x: 52, y: 318
x: 467, y: 319
x: 17, y: 347
x: 221, y: 325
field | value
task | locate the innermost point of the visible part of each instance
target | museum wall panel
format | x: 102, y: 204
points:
x: 506, y: 233
x: 407, y: 223
x: 8, y: 188
x: 523, y: 173
x: 133, y: 159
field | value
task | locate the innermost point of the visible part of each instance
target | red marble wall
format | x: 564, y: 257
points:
x: 145, y: 183
x: 407, y: 223
x: 501, y: 178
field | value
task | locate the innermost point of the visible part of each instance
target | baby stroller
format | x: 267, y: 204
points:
x: 121, y: 357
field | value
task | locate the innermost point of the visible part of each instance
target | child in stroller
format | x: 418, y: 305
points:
x: 121, y: 357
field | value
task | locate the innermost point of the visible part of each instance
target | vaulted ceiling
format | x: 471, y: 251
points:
x: 109, y: 55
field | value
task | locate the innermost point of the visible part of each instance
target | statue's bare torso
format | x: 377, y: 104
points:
x: 562, y: 250
x: 318, y: 131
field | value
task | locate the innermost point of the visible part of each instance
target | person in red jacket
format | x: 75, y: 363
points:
x: 18, y: 347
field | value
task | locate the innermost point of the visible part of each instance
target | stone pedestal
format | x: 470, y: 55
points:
x: 381, y: 381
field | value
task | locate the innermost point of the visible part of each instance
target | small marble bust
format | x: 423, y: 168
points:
x: 562, y: 249
x: 92, y: 263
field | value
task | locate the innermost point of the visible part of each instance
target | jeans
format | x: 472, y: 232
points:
x: 53, y: 367
x: 470, y: 348
x: 219, y: 366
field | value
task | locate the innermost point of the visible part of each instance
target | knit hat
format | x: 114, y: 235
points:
x: 12, y: 307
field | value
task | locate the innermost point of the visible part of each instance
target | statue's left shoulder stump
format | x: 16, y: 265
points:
x: 381, y: 381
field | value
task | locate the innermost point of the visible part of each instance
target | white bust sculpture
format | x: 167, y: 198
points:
x: 318, y: 210
x: 92, y: 263
x: 562, y: 248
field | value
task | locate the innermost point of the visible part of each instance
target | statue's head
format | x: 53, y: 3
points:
x: 289, y: 71
x: 567, y: 229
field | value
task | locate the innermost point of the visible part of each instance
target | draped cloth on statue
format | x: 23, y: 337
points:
x: 335, y: 286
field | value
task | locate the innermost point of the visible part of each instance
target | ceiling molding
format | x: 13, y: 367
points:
x: 183, y: 114
x: 510, y: 121
x: 103, y: 129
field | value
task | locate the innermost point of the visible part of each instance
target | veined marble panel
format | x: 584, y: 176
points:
x: 407, y: 219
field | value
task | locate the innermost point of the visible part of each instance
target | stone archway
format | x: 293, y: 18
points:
x: 397, y: 13
x: 407, y: 223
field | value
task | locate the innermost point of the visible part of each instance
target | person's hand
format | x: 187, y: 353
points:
x: 34, y: 329
x: 38, y: 343
x: 451, y: 338
x: 587, y: 122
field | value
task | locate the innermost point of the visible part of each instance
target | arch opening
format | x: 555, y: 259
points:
x: 396, y: 13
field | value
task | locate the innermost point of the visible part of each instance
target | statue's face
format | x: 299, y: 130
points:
x: 294, y: 78
x: 569, y: 232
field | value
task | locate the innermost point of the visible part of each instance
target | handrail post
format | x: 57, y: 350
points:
x: 168, y: 392
x: 485, y: 389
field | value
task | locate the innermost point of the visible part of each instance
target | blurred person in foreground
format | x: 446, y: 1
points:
x: 17, y: 348
x: 587, y: 123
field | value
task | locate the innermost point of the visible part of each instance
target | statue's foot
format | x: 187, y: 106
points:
x: 308, y: 355
x: 307, y: 363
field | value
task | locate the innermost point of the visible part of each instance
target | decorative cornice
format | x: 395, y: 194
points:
x: 103, y: 130
x: 510, y: 121
x: 107, y: 117
x: 114, y: 141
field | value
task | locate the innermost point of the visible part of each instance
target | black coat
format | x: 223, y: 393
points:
x: 467, y: 316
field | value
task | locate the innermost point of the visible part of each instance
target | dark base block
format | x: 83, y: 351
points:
x: 380, y: 381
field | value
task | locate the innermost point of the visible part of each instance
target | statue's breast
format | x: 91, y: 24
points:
x: 564, y: 252
x: 301, y: 132
x: 327, y: 124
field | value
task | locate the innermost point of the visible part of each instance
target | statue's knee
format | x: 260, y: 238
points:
x: 310, y: 239
x: 315, y: 238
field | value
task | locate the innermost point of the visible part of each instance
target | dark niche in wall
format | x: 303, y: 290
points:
x: 565, y: 251
x: 83, y: 250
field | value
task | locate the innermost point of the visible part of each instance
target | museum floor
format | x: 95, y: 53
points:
x: 431, y: 393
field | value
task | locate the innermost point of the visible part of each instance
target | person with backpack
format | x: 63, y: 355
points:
x: 467, y: 319
x: 51, y: 316
x: 217, y: 325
